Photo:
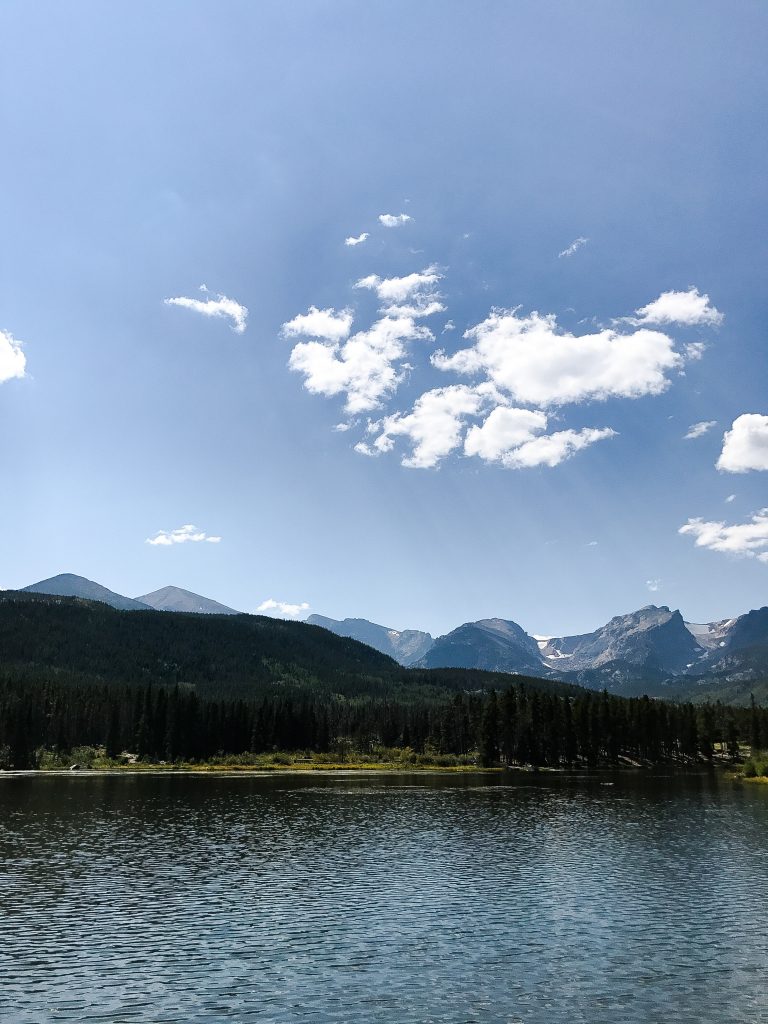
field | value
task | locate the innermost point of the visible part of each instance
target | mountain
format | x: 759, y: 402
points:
x: 68, y: 585
x: 652, y: 650
x: 174, y: 599
x: 495, y: 645
x: 406, y: 646
x: 651, y: 638
x: 649, y: 652
x: 220, y: 656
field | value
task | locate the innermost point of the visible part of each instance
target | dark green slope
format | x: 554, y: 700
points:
x: 45, y: 637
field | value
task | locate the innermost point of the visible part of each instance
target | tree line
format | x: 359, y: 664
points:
x: 518, y: 725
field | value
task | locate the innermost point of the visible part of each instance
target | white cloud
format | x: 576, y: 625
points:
x: 437, y: 421
x: 749, y: 540
x: 528, y: 357
x: 12, y: 359
x: 434, y: 426
x: 390, y: 220
x: 694, y: 351
x: 356, y: 239
x: 284, y: 609
x: 699, y: 429
x: 320, y: 323
x: 503, y: 430
x: 653, y: 585
x: 365, y: 368
x: 730, y: 498
x: 182, y: 535
x: 552, y: 449
x: 686, y: 308
x: 745, y: 445
x: 575, y: 245
x: 414, y: 295
x: 219, y: 306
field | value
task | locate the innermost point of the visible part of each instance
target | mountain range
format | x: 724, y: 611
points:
x: 169, y: 599
x: 652, y: 650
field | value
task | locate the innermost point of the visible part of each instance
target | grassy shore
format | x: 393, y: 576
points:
x: 383, y: 760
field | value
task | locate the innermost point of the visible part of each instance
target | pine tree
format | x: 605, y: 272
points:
x: 489, y: 732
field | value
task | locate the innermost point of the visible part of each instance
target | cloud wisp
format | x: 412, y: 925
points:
x: 414, y: 295
x: 394, y: 220
x: 745, y: 445
x: 574, y: 247
x: 12, y: 359
x: 357, y: 239
x: 188, y: 534
x: 699, y: 429
x: 320, y: 323
x: 746, y: 540
x: 283, y: 609
x: 218, y: 306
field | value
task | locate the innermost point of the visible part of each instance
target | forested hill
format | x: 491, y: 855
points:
x: 70, y: 639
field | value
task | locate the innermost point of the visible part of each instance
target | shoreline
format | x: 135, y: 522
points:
x: 339, y: 769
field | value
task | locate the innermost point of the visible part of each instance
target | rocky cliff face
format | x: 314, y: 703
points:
x: 406, y: 646
x: 652, y: 637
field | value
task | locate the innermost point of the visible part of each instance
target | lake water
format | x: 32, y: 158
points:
x: 421, y: 898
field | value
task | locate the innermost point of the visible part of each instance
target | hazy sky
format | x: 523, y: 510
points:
x: 504, y: 397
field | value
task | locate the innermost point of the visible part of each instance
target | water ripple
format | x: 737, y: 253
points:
x: 157, y: 899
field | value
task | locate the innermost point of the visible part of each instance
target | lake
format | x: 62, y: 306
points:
x: 379, y: 898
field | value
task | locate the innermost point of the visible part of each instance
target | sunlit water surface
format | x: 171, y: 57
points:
x: 387, y: 899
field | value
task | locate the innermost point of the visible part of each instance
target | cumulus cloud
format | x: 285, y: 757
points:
x: 537, y: 364
x: 188, y: 534
x: 730, y: 498
x: 218, y: 306
x: 552, y: 449
x: 653, y: 585
x: 575, y: 245
x: 394, y: 220
x: 284, y: 609
x: 503, y: 430
x: 356, y: 239
x: 434, y: 426
x: 515, y: 360
x: 12, y: 359
x: 686, y: 308
x: 437, y: 422
x: 320, y: 323
x: 745, y: 445
x: 748, y: 540
x: 414, y: 295
x: 699, y: 429
x: 366, y: 368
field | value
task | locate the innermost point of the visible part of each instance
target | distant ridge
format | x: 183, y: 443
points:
x: 68, y: 585
x: 406, y: 646
x: 174, y: 599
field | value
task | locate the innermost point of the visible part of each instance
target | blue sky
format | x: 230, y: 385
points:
x: 154, y: 148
